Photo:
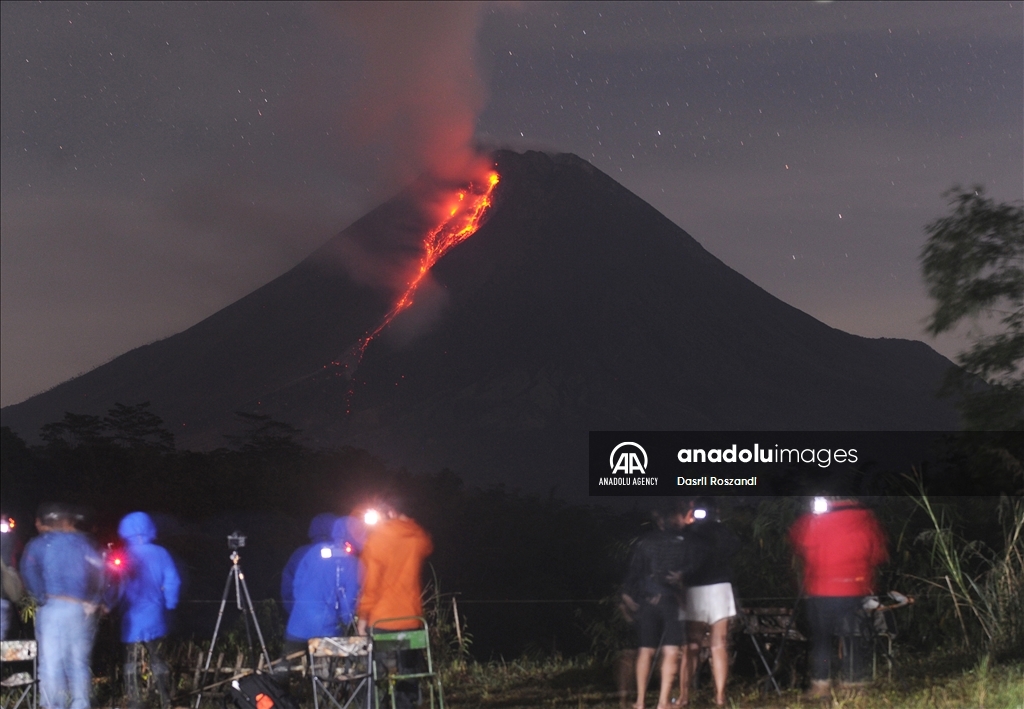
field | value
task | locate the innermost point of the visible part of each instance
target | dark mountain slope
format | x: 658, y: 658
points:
x: 576, y: 306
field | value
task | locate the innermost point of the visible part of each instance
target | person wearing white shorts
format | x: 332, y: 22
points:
x: 709, y: 602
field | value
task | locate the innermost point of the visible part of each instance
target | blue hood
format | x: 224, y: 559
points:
x: 137, y: 528
x: 321, y: 529
x: 350, y: 529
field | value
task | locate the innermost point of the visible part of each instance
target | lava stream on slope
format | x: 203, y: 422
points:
x: 463, y: 216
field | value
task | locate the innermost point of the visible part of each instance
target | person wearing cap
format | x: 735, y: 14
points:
x: 146, y: 586
x: 64, y: 573
x: 326, y: 585
x: 840, y: 544
x: 392, y: 561
x: 709, y: 602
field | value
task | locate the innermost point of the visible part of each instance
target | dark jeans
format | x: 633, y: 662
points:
x: 832, y: 617
x: 134, y: 655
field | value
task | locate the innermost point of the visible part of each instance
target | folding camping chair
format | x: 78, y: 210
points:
x: 770, y: 629
x: 19, y: 688
x: 387, y: 666
x: 342, y: 671
x: 880, y: 626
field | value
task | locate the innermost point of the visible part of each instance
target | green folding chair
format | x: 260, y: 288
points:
x: 387, y: 670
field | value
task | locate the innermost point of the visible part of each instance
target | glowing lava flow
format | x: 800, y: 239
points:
x: 461, y: 222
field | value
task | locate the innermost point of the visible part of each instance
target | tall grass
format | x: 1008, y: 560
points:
x: 450, y: 639
x: 984, y: 585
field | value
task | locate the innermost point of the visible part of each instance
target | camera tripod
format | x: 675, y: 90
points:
x: 236, y: 578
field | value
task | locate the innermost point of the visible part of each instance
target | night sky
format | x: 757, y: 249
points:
x: 161, y: 161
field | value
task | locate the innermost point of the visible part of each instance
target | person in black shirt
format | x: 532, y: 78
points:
x: 650, y: 600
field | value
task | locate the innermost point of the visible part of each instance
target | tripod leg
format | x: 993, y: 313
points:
x: 213, y: 640
x: 255, y: 622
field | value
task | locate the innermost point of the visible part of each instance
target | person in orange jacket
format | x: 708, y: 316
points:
x: 392, y: 561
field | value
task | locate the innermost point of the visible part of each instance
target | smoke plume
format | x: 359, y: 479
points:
x: 419, y: 91
x: 410, y: 113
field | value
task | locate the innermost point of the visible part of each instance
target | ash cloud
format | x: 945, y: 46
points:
x: 420, y: 92
x: 410, y: 118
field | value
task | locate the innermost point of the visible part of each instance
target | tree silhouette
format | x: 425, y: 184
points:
x: 75, y: 430
x: 266, y: 436
x: 973, y: 264
x: 137, y: 427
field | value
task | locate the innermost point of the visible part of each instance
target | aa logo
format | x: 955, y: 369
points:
x: 626, y: 458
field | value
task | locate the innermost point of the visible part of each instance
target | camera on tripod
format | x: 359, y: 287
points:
x: 236, y: 540
x: 243, y: 602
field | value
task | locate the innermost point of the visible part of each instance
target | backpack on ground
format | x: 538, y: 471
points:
x: 258, y: 691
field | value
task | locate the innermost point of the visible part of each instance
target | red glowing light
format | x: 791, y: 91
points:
x: 116, y: 562
x: 348, y: 548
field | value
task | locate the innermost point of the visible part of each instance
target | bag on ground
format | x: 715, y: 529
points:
x: 258, y: 691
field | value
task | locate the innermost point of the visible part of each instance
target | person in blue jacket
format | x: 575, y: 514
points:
x: 320, y: 530
x: 147, y: 588
x: 64, y: 572
x: 327, y: 585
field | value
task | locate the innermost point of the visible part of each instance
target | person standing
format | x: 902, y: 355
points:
x: 320, y: 529
x: 709, y: 602
x: 650, y: 601
x: 64, y: 573
x: 11, y: 587
x: 147, y: 586
x: 841, y: 544
x: 393, y: 563
x: 326, y: 585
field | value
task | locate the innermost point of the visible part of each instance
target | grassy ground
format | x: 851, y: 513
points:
x: 936, y: 682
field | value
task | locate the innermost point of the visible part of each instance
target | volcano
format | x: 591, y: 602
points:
x: 575, y: 306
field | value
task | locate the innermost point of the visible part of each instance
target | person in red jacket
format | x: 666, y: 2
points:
x: 840, y: 544
x: 392, y: 561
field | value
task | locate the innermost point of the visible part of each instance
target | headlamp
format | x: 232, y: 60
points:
x: 371, y: 517
x: 116, y: 560
x: 325, y: 552
x: 700, y: 514
x: 7, y: 525
x: 820, y: 505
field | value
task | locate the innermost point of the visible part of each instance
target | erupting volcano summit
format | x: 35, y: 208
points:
x: 462, y: 217
x: 575, y: 306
